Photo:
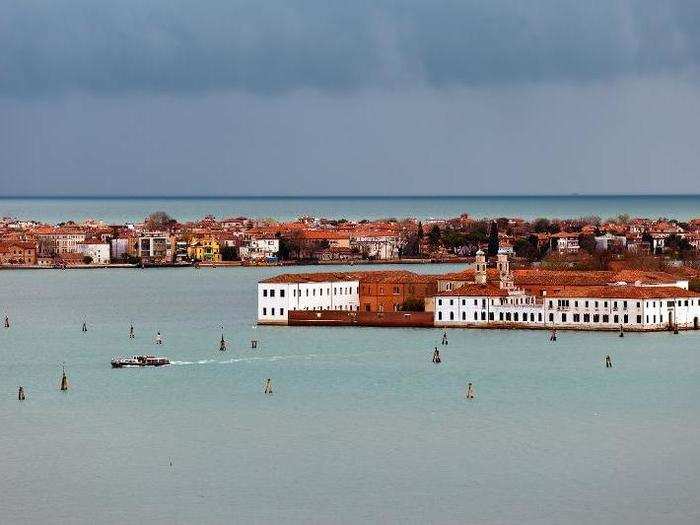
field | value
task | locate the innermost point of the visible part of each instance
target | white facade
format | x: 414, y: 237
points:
x: 275, y: 300
x: 583, y: 313
x: 259, y: 249
x: 378, y: 247
x: 100, y: 252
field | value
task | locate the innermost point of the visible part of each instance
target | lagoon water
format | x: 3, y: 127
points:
x: 120, y: 210
x: 362, y: 427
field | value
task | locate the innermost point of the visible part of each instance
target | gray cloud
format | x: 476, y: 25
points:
x: 180, y: 46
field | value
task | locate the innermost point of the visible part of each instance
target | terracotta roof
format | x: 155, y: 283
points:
x: 476, y: 290
x: 386, y: 276
x: 626, y: 292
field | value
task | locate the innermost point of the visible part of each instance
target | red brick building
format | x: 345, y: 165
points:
x: 18, y: 252
x: 387, y: 291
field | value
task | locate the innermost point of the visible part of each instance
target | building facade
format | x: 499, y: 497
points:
x: 322, y: 291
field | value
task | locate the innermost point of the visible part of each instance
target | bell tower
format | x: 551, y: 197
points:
x: 480, y: 276
x: 504, y: 275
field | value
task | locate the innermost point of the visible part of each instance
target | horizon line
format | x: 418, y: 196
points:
x: 367, y: 196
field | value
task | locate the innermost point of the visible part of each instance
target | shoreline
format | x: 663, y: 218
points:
x: 239, y: 264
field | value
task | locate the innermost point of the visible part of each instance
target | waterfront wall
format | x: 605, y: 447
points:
x: 357, y: 318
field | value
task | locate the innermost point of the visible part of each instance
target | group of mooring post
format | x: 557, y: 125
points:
x: 470, y: 392
x: 64, y: 385
x: 608, y: 359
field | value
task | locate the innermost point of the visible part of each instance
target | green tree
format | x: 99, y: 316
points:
x: 586, y: 243
x: 493, y: 239
x: 434, y: 236
x: 413, y: 305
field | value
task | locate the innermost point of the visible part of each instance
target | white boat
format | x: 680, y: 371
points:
x: 139, y: 360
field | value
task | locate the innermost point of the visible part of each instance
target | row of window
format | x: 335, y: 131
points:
x: 566, y: 303
x: 343, y: 290
x: 347, y: 307
x: 597, y: 318
x: 575, y: 318
x: 272, y: 311
x: 502, y: 316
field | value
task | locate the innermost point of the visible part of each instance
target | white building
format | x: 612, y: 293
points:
x: 99, y: 252
x: 564, y: 243
x: 260, y: 249
x: 633, y: 307
x: 376, y: 245
x: 313, y: 291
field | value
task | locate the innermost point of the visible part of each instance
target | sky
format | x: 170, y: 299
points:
x: 328, y: 97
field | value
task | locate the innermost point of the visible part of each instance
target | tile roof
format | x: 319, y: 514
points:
x: 476, y: 290
x: 626, y: 292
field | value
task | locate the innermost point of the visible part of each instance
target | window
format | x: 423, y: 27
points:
x: 307, y: 292
x: 282, y: 293
x: 606, y: 318
x: 539, y: 317
x: 639, y: 319
x: 616, y: 319
x: 452, y: 302
x: 563, y: 318
x: 624, y: 305
x: 577, y: 318
x: 586, y: 318
x: 515, y: 316
x: 483, y: 316
x: 464, y: 316
x: 313, y: 292
x: 586, y: 304
x: 264, y: 311
x: 596, y: 318
x: 264, y: 293
x: 507, y: 316
x: 272, y: 293
x: 551, y: 318
x: 464, y: 302
x: 532, y: 318
x: 490, y: 316
x: 476, y: 316
x: 272, y: 312
x: 625, y: 319
x: 452, y: 316
x: 439, y: 302
x: 500, y: 316
x: 576, y: 304
x: 320, y: 291
x: 439, y: 316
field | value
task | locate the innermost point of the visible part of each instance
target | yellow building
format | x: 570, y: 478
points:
x: 207, y: 249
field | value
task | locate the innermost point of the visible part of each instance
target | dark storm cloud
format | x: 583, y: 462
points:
x: 267, y: 46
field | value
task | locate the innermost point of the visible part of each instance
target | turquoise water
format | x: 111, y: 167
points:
x: 362, y: 427
x: 122, y: 210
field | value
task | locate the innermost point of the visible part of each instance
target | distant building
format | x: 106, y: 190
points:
x: 18, y: 253
x: 154, y: 247
x: 609, y: 241
x: 98, y: 251
x: 261, y: 249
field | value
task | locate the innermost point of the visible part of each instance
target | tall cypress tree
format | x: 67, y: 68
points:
x: 493, y: 239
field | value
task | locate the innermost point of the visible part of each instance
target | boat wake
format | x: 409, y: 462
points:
x: 243, y: 360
